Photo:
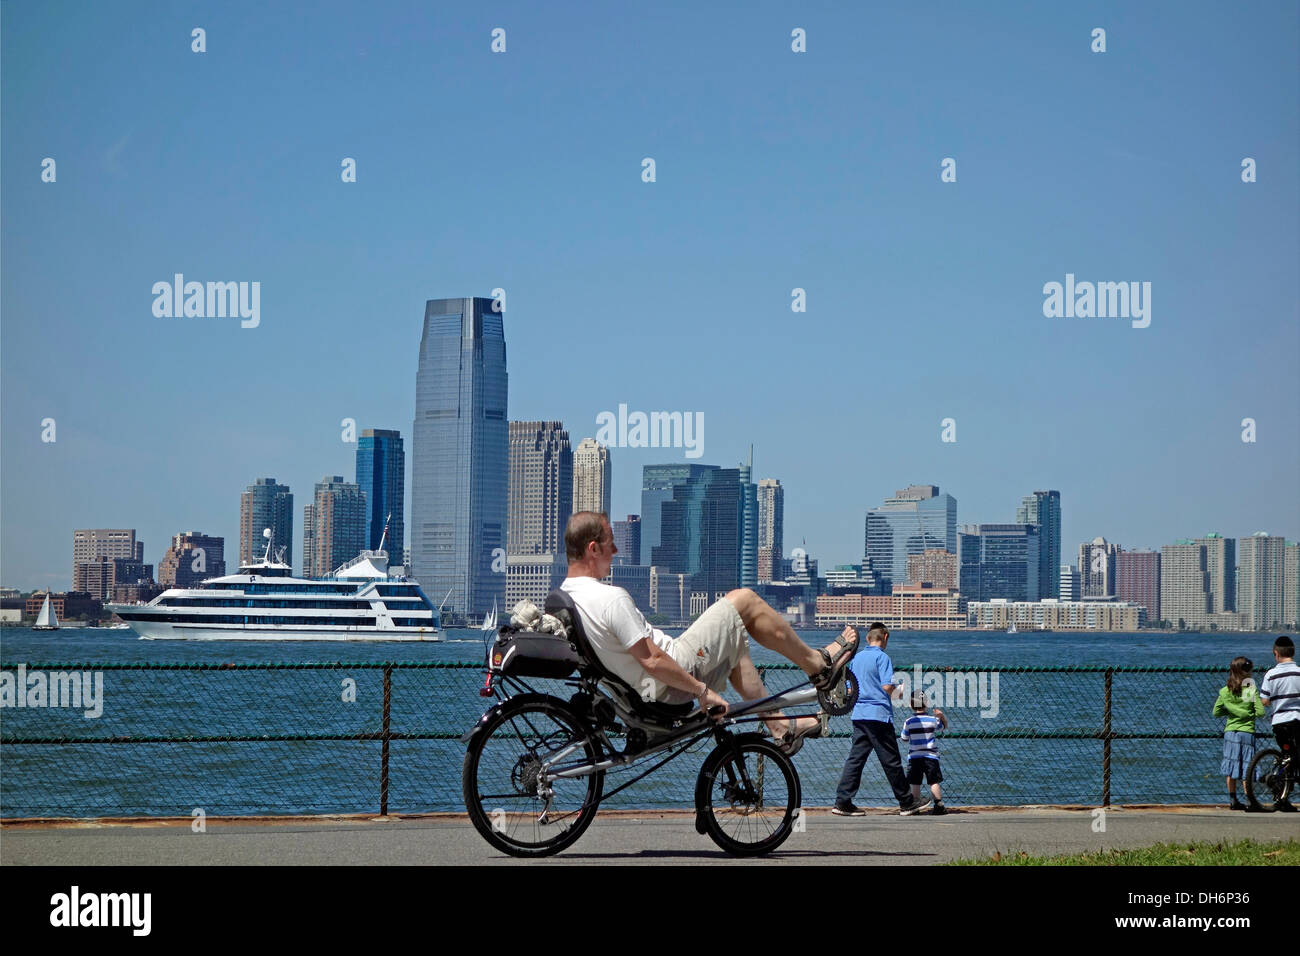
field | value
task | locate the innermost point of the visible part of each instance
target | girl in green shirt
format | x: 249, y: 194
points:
x: 1239, y: 702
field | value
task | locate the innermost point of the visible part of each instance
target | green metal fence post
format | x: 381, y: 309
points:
x: 384, y: 737
x: 1105, y: 742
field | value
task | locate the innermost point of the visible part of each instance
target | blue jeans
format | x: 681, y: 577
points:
x: 878, y: 736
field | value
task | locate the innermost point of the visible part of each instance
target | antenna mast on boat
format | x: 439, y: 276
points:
x: 384, y: 537
x: 266, y: 533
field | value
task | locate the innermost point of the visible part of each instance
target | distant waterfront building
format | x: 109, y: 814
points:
x: 1043, y: 509
x: 101, y: 577
x: 1097, y: 568
x: 1197, y: 582
x: 634, y: 579
x: 1291, y: 586
x: 748, y: 523
x: 460, y: 456
x: 771, y: 529
x: 265, y: 504
x: 1070, y: 584
x: 381, y: 475
x: 97, y: 546
x: 192, y: 557
x: 907, y: 607
x: 915, y: 520
x: 934, y: 566
x: 1262, y: 566
x: 541, y: 500
x: 1137, y: 580
x: 592, y: 477
x: 998, y: 561
x: 1054, y: 615
x: 627, y: 538
x: 657, y: 485
x: 701, y: 514
x: 670, y: 594
x: 37, y: 601
x: 334, y: 526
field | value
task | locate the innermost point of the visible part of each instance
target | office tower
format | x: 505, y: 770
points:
x: 771, y: 529
x: 1097, y: 568
x: 541, y: 499
x: 1070, y: 584
x: 103, y: 576
x: 998, y: 561
x: 105, y: 557
x: 1043, y: 509
x: 657, y: 484
x: 1262, y: 565
x: 381, y: 475
x: 265, y: 504
x: 933, y: 566
x: 627, y: 538
x: 591, y: 477
x: 460, y: 459
x: 748, y: 523
x: 1197, y: 582
x: 1137, y: 580
x: 917, y: 518
x: 1291, y: 586
x: 334, y: 526
x: 192, y: 557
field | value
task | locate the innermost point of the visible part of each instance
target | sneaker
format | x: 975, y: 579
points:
x: 1236, y: 805
x: 847, y: 810
x: 939, y: 810
x: 1285, y: 806
x: 913, y: 806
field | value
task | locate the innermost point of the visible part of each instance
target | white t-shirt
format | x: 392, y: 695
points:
x: 1282, y: 688
x: 613, y: 624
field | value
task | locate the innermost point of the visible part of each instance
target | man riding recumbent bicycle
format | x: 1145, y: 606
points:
x: 535, y: 765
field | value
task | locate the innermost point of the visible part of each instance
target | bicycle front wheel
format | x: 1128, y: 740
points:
x: 1267, y: 780
x: 505, y: 795
x: 747, y: 796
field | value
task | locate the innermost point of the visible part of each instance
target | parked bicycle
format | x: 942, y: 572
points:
x: 535, y: 765
x: 1271, y: 778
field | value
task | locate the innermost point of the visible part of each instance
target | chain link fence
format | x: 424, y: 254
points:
x: 335, y: 738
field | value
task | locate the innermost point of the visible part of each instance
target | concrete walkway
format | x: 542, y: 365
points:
x: 627, y: 837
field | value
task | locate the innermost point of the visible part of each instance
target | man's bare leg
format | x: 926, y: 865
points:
x: 774, y: 632
x: 744, y: 677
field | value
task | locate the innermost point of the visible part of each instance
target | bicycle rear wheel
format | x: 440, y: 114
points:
x: 1267, y: 780
x: 747, y: 795
x: 503, y: 792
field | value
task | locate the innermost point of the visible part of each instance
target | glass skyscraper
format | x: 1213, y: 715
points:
x: 657, y: 483
x: 998, y: 561
x: 381, y: 473
x: 1043, y: 509
x: 917, y: 519
x: 460, y: 456
x: 748, y: 524
x: 701, y: 528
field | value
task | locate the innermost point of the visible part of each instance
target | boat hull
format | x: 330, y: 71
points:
x: 166, y: 631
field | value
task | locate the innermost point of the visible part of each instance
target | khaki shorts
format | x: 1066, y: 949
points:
x: 708, y: 650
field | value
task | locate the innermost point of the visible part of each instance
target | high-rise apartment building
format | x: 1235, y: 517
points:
x: 265, y: 504
x: 193, y: 557
x: 934, y: 566
x: 460, y: 456
x: 334, y: 526
x: 381, y: 475
x: 541, y: 500
x: 998, y: 561
x: 1097, y: 568
x: 748, y: 523
x: 1261, y: 563
x: 1197, y: 582
x: 105, y: 557
x: 1291, y: 585
x: 1137, y: 580
x: 90, y: 544
x: 627, y: 538
x: 771, y: 529
x: 1043, y: 509
x: 591, y: 477
x: 916, y: 519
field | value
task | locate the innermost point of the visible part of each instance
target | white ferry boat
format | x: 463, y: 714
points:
x: 361, y: 601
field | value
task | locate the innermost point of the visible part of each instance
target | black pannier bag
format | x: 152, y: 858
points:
x: 531, y: 654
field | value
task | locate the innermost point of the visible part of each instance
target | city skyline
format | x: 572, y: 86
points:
x: 795, y: 171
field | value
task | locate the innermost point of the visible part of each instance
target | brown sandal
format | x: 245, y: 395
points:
x: 834, y: 669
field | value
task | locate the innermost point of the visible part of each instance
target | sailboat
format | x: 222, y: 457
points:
x: 47, y: 620
x: 490, y: 620
x: 1012, y: 628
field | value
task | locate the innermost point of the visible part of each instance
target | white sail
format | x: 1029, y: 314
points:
x: 47, y: 619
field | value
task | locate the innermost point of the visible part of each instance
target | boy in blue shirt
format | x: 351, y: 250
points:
x: 923, y: 750
x: 873, y: 729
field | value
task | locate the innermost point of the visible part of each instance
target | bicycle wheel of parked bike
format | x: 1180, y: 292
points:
x: 503, y: 794
x: 1267, y: 781
x: 747, y: 795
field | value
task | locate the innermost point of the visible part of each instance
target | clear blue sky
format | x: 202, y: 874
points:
x: 775, y: 170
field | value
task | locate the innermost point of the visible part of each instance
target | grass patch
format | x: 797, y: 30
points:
x: 1223, y: 853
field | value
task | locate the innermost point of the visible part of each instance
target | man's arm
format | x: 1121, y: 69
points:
x: 664, y: 669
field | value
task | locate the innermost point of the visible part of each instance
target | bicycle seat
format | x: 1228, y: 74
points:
x: 560, y: 604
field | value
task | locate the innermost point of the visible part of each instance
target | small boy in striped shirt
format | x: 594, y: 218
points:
x: 923, y: 750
